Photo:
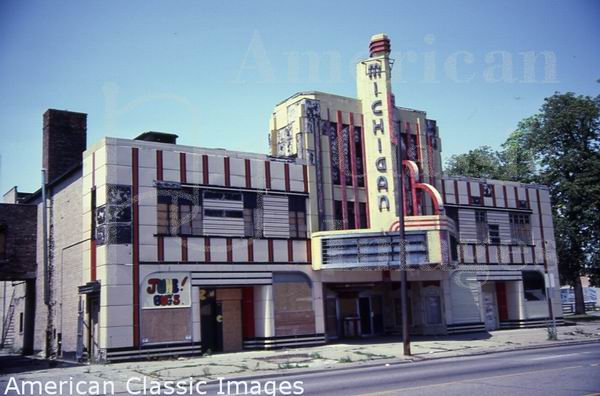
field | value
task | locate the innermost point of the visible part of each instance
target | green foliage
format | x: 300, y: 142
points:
x: 480, y: 162
x: 565, y: 140
x: 558, y: 147
x: 517, y: 161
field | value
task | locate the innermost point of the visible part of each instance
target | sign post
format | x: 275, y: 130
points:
x: 402, y: 247
x: 549, y: 278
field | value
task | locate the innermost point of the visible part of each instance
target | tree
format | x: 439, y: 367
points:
x: 558, y: 147
x: 565, y: 141
x: 480, y: 162
x: 516, y: 159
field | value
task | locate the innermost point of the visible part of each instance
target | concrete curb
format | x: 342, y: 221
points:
x: 397, y: 362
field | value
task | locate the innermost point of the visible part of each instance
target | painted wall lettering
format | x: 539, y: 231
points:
x: 166, y: 290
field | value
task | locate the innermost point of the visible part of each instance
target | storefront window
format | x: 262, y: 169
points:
x: 534, y: 286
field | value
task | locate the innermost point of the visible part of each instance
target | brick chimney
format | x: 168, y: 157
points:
x: 65, y: 136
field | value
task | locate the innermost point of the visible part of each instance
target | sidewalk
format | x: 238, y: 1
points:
x: 335, y: 355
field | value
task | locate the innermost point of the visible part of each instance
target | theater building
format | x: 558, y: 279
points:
x: 158, y: 249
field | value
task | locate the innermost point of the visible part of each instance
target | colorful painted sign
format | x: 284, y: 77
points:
x: 166, y: 290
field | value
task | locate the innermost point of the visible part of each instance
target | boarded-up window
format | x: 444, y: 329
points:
x: 166, y: 325
x: 276, y: 222
x: 520, y: 228
x: 482, y: 226
x: 293, y: 304
x: 179, y: 212
x: 297, y: 217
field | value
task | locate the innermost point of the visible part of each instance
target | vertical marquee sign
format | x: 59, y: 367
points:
x: 375, y: 91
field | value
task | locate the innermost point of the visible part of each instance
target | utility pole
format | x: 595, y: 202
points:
x: 549, y: 280
x: 402, y: 246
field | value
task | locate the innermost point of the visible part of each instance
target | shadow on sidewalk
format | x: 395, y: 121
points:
x: 15, y: 364
x: 388, y: 339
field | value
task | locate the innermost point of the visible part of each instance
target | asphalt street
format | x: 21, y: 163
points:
x: 566, y: 370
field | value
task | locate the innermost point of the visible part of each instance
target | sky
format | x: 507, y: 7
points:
x: 212, y: 72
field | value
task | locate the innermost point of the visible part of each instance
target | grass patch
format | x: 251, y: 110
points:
x: 290, y: 365
x: 345, y: 359
x: 373, y: 356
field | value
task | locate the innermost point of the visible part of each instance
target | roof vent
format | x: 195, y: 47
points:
x: 158, y: 137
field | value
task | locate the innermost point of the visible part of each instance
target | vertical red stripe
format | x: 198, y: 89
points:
x: 229, y: 250
x: 430, y: 158
x: 419, y: 155
x: 342, y: 162
x: 207, y: 249
x: 456, y: 194
x: 226, y: 165
x: 248, y: 168
x: 527, y: 198
x: 305, y: 177
x: 443, y: 190
x: 268, y: 175
x: 161, y: 248
x: 93, y: 259
x: 184, y: 249
x: 182, y: 168
x: 270, y: 250
x: 205, y: 169
x: 286, y: 176
x: 248, y: 312
x: 502, y: 300
x: 469, y: 192
x: 516, y: 197
x: 413, y: 194
x: 135, y: 247
x: 290, y: 249
x: 308, y: 251
x: 539, y: 206
x: 159, y: 165
x: 250, y: 250
x: 354, y: 174
x: 505, y: 196
x: 493, y: 187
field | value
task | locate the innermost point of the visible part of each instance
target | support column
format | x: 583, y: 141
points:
x: 263, y: 311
